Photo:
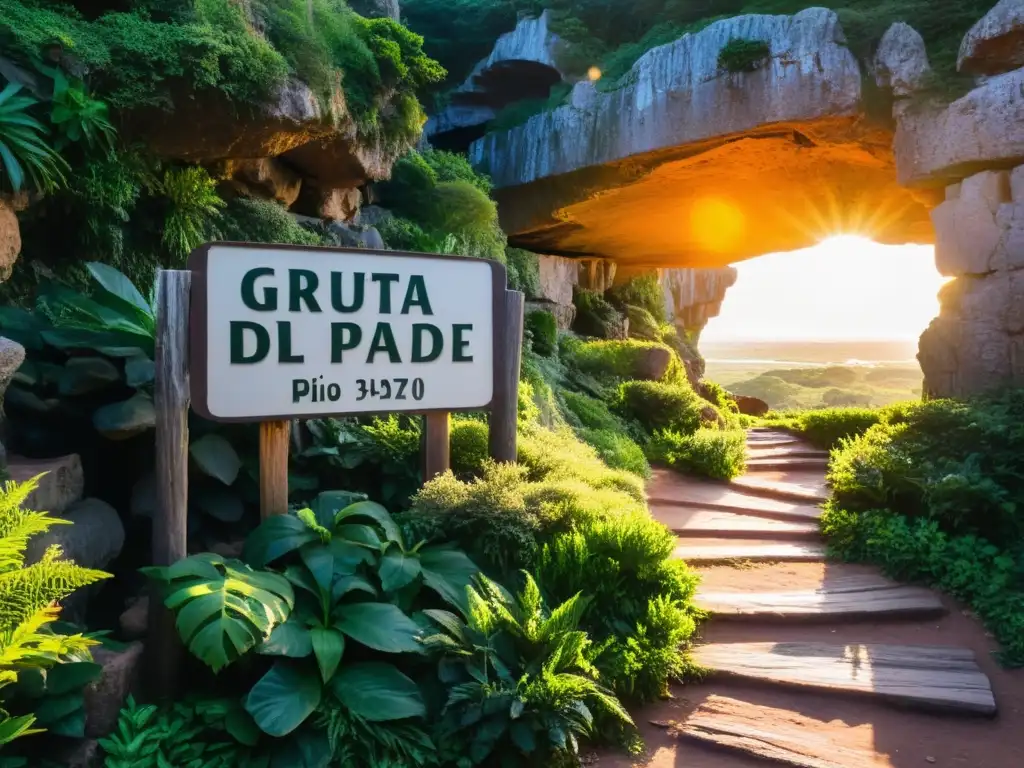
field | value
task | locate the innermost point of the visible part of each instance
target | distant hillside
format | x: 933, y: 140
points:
x: 792, y: 374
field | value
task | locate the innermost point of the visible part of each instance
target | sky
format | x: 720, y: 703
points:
x: 844, y: 288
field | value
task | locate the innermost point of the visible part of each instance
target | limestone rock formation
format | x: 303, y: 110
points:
x: 373, y: 9
x: 265, y: 177
x: 996, y: 43
x: 976, y: 344
x: 703, y: 167
x: 941, y: 144
x: 901, y: 61
x: 522, y: 65
x: 10, y: 239
x: 694, y: 296
x: 339, y: 204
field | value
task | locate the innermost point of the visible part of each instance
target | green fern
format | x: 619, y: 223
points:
x: 28, y: 597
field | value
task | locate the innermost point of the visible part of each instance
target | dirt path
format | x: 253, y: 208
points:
x: 817, y: 664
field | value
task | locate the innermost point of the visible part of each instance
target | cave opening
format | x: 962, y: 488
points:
x: 834, y: 324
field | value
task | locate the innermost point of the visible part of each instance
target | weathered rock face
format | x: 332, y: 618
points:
x: 373, y: 9
x: 996, y: 43
x: 936, y: 145
x: 335, y: 204
x: 265, y: 177
x: 105, y: 697
x: 901, y: 61
x: 694, y: 296
x: 12, y: 355
x: 10, y: 240
x: 976, y: 344
x: 558, y: 277
x: 702, y: 167
x: 521, y: 66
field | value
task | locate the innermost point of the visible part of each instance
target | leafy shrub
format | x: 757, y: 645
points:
x: 76, y: 115
x: 194, y: 207
x: 469, y: 446
x: 642, y: 324
x: 523, y: 271
x: 718, y: 454
x: 263, y: 221
x: 22, y: 146
x: 595, y: 316
x: 640, y: 598
x: 335, y: 554
x: 660, y: 406
x: 32, y: 655
x: 827, y: 427
x: 523, y: 686
x: 591, y: 412
x: 617, y: 450
x: 543, y: 331
x: 644, y: 292
x: 625, y: 359
x: 968, y: 567
x: 715, y: 394
x: 743, y: 55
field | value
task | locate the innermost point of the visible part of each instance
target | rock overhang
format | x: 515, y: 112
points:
x: 685, y: 164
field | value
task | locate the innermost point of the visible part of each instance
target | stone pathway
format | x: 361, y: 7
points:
x: 813, y: 663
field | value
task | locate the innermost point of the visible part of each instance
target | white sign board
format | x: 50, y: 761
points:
x: 281, y: 332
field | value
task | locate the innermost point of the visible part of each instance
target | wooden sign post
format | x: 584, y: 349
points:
x: 274, y: 333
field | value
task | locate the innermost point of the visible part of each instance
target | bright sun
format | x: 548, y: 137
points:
x: 846, y: 287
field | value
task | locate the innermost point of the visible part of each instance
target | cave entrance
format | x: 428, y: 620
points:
x: 834, y: 324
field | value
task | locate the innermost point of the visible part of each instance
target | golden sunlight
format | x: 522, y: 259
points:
x: 845, y: 287
x: 717, y: 224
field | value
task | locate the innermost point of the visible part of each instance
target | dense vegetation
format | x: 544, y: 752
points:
x: 930, y: 491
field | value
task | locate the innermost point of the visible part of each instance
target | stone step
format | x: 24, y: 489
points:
x: 711, y: 551
x: 851, y: 598
x: 786, y: 463
x: 669, y: 490
x: 692, y: 522
x: 932, y: 678
x: 791, y: 486
x: 60, y: 486
x: 777, y: 736
x: 795, y: 451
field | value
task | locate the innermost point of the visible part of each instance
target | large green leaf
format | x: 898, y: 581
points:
x: 328, y: 504
x: 289, y: 639
x: 318, y: 558
x: 284, y: 697
x: 377, y: 692
x: 276, y: 536
x: 71, y: 676
x: 216, y: 457
x: 448, y: 572
x: 328, y: 646
x: 380, y: 626
x: 223, y: 608
x: 115, y: 283
x: 373, y: 511
x: 397, y: 568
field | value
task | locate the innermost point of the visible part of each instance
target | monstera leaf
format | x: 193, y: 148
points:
x: 223, y: 607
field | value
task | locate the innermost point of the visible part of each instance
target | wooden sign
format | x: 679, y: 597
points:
x: 282, y: 332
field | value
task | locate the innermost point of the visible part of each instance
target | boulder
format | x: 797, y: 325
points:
x: 710, y: 416
x: 373, y: 9
x: 12, y: 355
x: 340, y: 160
x: 995, y: 44
x: 750, y: 406
x: 652, y: 364
x: 901, y: 61
x: 126, y: 419
x: 939, y: 144
x: 966, y: 237
x: 134, y: 621
x: 339, y: 204
x: 105, y: 696
x: 10, y: 239
x: 94, y: 538
x: 558, y: 277
x: 61, y: 484
x: 373, y: 216
x: 355, y: 236
x: 265, y: 177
